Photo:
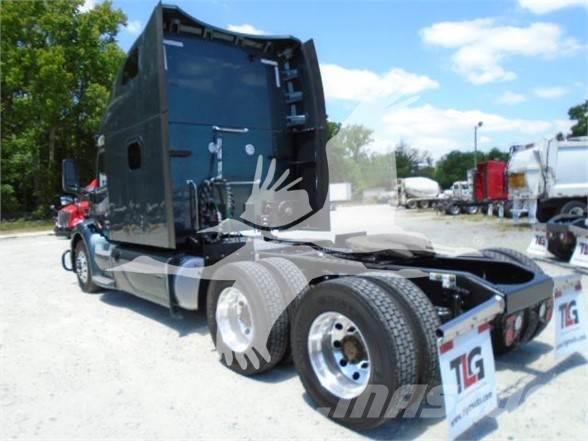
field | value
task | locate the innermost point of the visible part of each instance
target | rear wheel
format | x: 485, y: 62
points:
x: 423, y: 319
x: 576, y: 208
x: 471, y: 209
x: 246, y: 317
x: 517, y: 257
x: 453, y: 210
x: 424, y: 204
x: 351, y: 341
x: 292, y: 283
x: 411, y: 205
x: 83, y: 268
x: 564, y: 248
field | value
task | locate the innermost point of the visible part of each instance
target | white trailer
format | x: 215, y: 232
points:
x: 339, y: 192
x: 549, y: 177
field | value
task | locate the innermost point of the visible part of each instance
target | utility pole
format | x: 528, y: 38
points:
x: 476, y: 143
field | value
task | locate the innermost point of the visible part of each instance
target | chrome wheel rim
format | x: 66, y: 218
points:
x: 577, y: 211
x: 234, y: 319
x: 339, y: 355
x: 82, y: 266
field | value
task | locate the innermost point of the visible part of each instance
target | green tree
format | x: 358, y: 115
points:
x: 412, y: 162
x: 347, y: 152
x: 454, y: 166
x: 57, y: 68
x: 353, y: 139
x: 496, y: 154
x: 579, y: 113
x: 333, y: 128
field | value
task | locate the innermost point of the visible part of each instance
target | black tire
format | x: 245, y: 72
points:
x: 560, y: 249
x: 411, y: 205
x: 384, y: 326
x: 292, y: 283
x: 267, y: 314
x: 453, y: 210
x: 471, y: 209
x: 424, y: 204
x: 84, y: 271
x: 533, y: 326
x: 508, y: 210
x: 573, y: 208
x: 422, y: 318
x: 518, y: 257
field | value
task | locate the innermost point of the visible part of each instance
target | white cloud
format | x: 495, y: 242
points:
x: 440, y: 130
x: 510, y: 98
x: 547, y: 6
x: 481, y: 46
x: 246, y: 29
x: 134, y: 27
x: 551, y: 92
x: 364, y: 85
x: 87, y: 6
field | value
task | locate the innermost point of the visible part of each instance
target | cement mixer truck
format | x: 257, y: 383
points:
x: 418, y: 192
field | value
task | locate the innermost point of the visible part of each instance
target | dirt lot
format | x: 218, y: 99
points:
x: 109, y: 365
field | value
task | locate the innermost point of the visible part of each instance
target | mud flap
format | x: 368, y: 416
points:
x: 538, y: 245
x: 580, y: 256
x: 571, y: 330
x: 467, y: 366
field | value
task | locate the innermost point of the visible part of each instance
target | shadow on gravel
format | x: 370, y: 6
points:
x: 400, y: 428
x: 509, y: 399
x: 523, y: 356
x: 514, y: 396
x: 276, y: 375
x: 190, y: 322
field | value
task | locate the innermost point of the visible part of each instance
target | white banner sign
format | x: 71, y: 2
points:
x: 469, y: 379
x: 570, y: 319
x: 538, y: 245
x: 580, y: 256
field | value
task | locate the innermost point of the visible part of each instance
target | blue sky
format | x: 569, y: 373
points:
x: 427, y: 71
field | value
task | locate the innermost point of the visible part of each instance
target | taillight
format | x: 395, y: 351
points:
x: 513, y: 327
x: 546, y: 310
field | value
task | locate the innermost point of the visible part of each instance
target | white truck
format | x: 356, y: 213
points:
x: 339, y: 192
x: 417, y: 191
x: 549, y: 177
x: 459, y: 198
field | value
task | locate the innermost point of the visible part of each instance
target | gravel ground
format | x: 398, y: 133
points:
x: 111, y: 366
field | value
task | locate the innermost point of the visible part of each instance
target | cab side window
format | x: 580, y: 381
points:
x: 134, y: 155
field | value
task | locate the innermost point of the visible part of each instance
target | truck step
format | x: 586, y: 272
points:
x: 103, y: 281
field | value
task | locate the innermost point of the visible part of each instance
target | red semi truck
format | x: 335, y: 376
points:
x: 490, y: 182
x: 490, y: 189
x: 73, y: 211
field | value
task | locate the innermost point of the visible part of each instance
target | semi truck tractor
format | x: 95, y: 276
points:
x: 549, y: 177
x: 213, y: 144
x: 72, y: 210
x: 485, y: 188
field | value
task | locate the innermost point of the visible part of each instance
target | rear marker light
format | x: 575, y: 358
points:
x: 542, y: 310
x: 518, y: 323
x: 447, y: 346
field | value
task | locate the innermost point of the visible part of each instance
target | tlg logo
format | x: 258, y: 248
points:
x: 568, y: 314
x: 541, y: 240
x: 468, y: 368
